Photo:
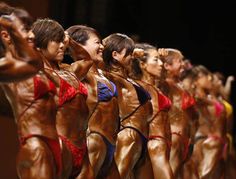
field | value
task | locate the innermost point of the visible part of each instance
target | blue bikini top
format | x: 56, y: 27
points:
x: 105, y: 93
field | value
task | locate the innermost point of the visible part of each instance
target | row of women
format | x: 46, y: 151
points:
x: 120, y: 110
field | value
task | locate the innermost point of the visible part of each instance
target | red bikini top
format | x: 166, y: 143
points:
x: 68, y: 92
x: 164, y: 102
x: 187, y: 101
x: 41, y: 88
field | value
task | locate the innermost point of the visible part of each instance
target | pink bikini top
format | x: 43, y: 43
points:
x: 219, y: 108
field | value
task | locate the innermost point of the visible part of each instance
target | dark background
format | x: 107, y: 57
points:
x: 204, y: 31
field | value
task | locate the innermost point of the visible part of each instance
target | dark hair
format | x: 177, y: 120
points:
x: 80, y: 33
x: 24, y: 17
x: 5, y: 9
x: 136, y: 69
x: 20, y: 13
x: 116, y: 42
x: 194, y: 72
x: 46, y: 30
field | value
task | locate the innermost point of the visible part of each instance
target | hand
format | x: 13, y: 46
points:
x: 162, y: 52
x: 138, y: 52
x: 66, y: 39
x: 230, y: 78
x: 6, y: 22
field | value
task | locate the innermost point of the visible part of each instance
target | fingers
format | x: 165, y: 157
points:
x: 137, y: 53
x: 162, y: 52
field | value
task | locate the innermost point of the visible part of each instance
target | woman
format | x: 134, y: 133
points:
x: 147, y: 70
x: 209, y: 138
x: 34, y: 108
x: 72, y: 111
x: 20, y: 62
x: 135, y: 109
x: 103, y: 107
x: 182, y: 113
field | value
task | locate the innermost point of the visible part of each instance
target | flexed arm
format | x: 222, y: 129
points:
x: 82, y: 59
x: 228, y: 86
x: 19, y: 61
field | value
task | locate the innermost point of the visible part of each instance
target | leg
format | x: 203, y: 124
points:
x: 35, y: 160
x: 211, y: 150
x: 97, y: 151
x: 158, y: 151
x: 113, y: 172
x: 128, y: 151
x: 66, y: 161
x: 176, y: 154
x: 145, y: 169
x: 86, y: 170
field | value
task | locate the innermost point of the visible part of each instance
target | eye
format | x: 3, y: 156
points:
x: 155, y: 59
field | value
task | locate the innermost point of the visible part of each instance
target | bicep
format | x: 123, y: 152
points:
x: 11, y: 71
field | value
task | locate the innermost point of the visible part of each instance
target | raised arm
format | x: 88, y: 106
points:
x: 82, y: 59
x: 18, y: 60
x: 228, y: 86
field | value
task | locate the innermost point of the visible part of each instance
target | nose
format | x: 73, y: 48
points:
x: 160, y: 62
x: 61, y: 45
x: 101, y: 46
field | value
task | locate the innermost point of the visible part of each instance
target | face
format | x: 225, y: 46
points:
x: 16, y: 22
x: 94, y: 47
x: 30, y: 38
x: 176, y: 68
x: 217, y: 83
x: 20, y: 26
x: 54, y: 51
x: 204, y: 81
x: 153, y: 64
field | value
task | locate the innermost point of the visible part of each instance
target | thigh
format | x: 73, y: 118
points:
x: 128, y: 147
x: 96, y: 151
x: 35, y: 160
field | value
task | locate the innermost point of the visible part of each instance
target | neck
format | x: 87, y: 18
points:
x: 148, y: 78
x: 201, y: 92
x: 94, y: 68
x: 172, y: 78
x: 120, y: 70
x: 52, y: 65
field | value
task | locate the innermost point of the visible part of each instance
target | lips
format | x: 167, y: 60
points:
x: 60, y: 53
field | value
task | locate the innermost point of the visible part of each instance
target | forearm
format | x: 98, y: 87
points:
x: 78, y: 52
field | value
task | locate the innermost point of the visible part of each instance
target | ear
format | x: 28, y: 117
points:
x: 116, y: 55
x: 166, y: 66
x: 143, y: 65
x: 5, y: 37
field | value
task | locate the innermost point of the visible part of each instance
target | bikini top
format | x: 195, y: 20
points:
x: 68, y: 92
x: 41, y: 88
x: 143, y: 95
x: 219, y: 108
x: 105, y: 93
x: 228, y: 108
x: 187, y: 100
x: 164, y: 102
